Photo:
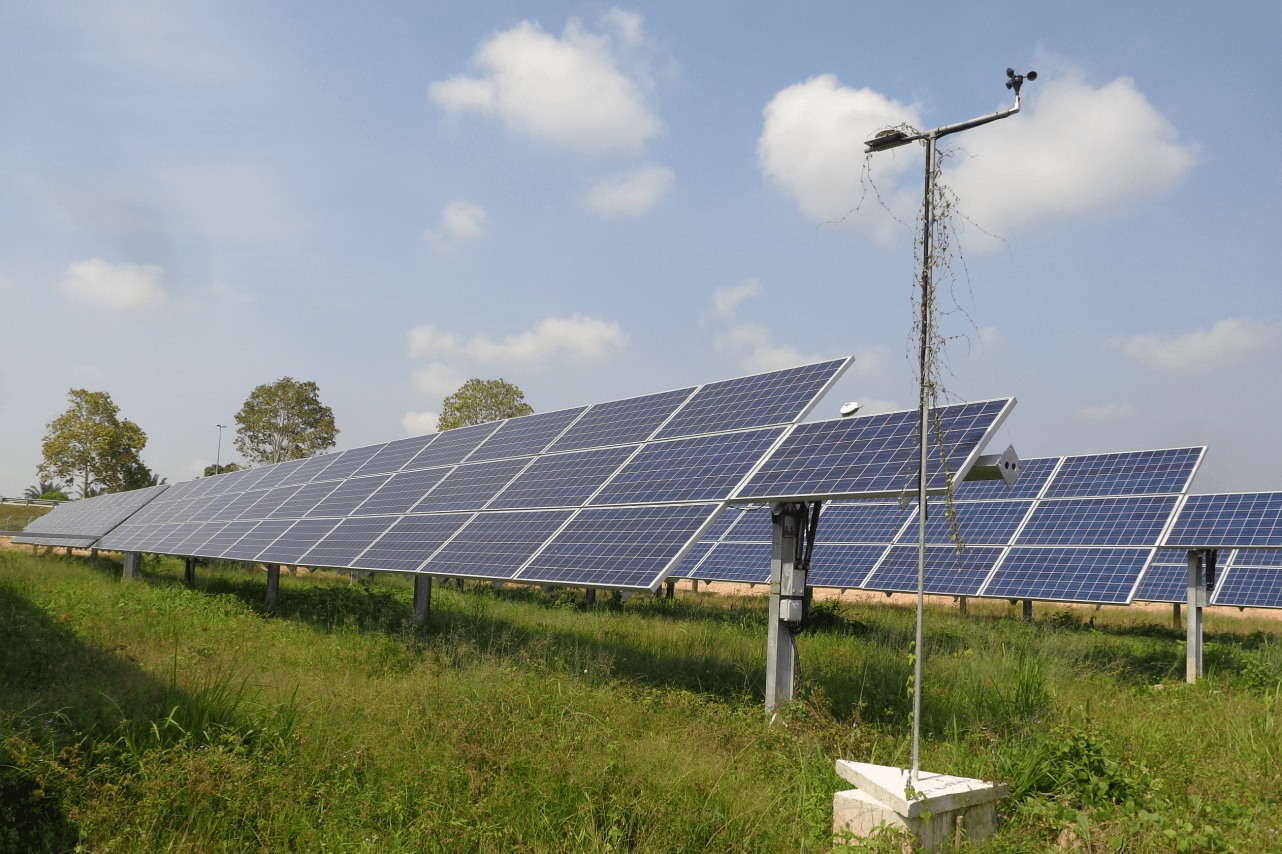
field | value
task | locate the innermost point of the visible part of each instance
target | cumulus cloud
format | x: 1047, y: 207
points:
x: 1107, y: 412
x: 630, y: 194
x: 1225, y: 342
x: 726, y: 300
x: 419, y: 423
x: 461, y: 222
x: 438, y: 380
x: 584, y: 339
x: 1075, y: 151
x: 569, y: 91
x: 752, y: 346
x: 121, y: 287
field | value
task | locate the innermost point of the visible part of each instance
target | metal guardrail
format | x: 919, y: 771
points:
x: 42, y: 502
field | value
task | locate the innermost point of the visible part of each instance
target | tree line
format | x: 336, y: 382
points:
x: 90, y: 449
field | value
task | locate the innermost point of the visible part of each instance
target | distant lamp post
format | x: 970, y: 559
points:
x: 888, y: 139
x: 218, y: 469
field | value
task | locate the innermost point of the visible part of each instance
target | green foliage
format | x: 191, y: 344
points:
x: 478, y: 401
x: 91, y: 442
x: 43, y: 490
x: 284, y: 420
x: 212, y: 470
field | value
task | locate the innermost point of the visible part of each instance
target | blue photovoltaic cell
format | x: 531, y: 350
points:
x: 755, y: 526
x: 1244, y: 519
x: 562, y: 480
x: 411, y: 541
x: 842, y: 565
x: 621, y: 422
x: 1099, y: 521
x: 1131, y: 473
x: 233, y: 509
x: 122, y: 539
x: 1032, y: 478
x: 347, y: 496
x: 947, y: 572
x: 495, y: 545
x: 1167, y: 580
x: 294, y: 543
x: 88, y: 518
x: 396, y: 454
x: 348, y: 462
x: 452, y: 446
x: 688, y: 563
x: 1255, y: 582
x: 471, y: 486
x: 343, y: 545
x: 979, y: 523
x: 274, y: 474
x: 251, y: 478
x: 311, y: 469
x: 748, y: 563
x: 269, y: 502
x: 224, y: 539
x: 402, y: 492
x: 870, y: 455
x: 303, y: 500
x: 521, y: 437
x: 860, y: 522
x: 618, y: 546
x: 198, y: 538
x: 195, y: 509
x: 174, y: 536
x: 721, y: 525
x: 257, y: 539
x: 1068, y: 575
x: 757, y: 401
x: 697, y: 469
x: 228, y: 482
x: 199, y: 487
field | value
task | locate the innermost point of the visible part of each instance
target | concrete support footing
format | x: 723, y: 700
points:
x: 948, y: 811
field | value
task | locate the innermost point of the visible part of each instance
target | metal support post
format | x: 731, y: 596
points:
x: 1196, y: 601
x: 93, y: 555
x: 589, y: 597
x: 273, y: 584
x: 961, y: 605
x: 189, y: 571
x: 694, y: 585
x: 132, y: 566
x: 787, y: 595
x: 422, y: 597
x: 669, y: 589
x: 1028, y: 610
x: 1175, y: 616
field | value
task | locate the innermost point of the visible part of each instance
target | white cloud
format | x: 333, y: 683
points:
x: 726, y: 300
x: 1107, y: 412
x: 461, y: 222
x: 123, y: 287
x: 419, y: 423
x: 632, y: 193
x: 438, y: 380
x: 1074, y: 150
x: 584, y: 339
x: 568, y: 91
x: 1227, y: 341
x: 751, y: 345
x: 85, y: 374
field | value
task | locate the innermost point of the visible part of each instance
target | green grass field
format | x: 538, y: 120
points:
x: 143, y: 716
x: 14, y: 517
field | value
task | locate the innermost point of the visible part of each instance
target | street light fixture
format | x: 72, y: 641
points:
x: 218, y: 469
x: 884, y: 141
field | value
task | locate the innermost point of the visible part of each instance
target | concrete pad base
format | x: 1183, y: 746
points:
x: 942, y: 810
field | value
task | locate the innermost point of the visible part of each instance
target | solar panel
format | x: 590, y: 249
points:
x: 1099, y: 521
x: 695, y: 469
x: 621, y: 422
x: 402, y: 491
x: 756, y: 401
x: 686, y: 568
x: 228, y: 481
x: 471, y: 486
x: 224, y: 539
x: 348, y: 462
x: 843, y: 565
x: 1096, y: 575
x: 311, y: 469
x: 196, y: 541
x: 1131, y: 473
x: 496, y: 545
x: 873, y: 455
x: 989, y: 523
x: 411, y: 541
x: 860, y: 522
x: 562, y: 480
x: 269, y: 501
x: 274, y: 474
x: 83, y: 522
x: 1032, y: 478
x: 303, y: 500
x: 256, y: 539
x: 530, y: 434
x: 618, y: 546
x: 747, y: 563
x: 947, y: 572
x: 1242, y: 520
x: 174, y: 535
x: 452, y: 446
x: 1252, y: 579
x: 724, y: 522
x: 396, y: 454
x: 235, y: 508
x: 291, y: 545
x: 348, y: 495
x: 1167, y: 580
x: 342, y: 546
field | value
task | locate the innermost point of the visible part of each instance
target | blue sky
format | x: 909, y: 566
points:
x: 594, y: 202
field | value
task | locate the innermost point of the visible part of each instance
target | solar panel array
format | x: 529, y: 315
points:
x: 1078, y: 529
x: 80, y: 523
x: 606, y: 495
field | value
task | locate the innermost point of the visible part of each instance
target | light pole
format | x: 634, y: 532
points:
x: 218, y: 459
x: 893, y: 138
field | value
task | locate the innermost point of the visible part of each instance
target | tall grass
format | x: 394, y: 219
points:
x: 146, y: 716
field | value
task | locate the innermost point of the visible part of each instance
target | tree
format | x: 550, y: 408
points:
x: 284, y: 421
x: 91, y: 442
x: 478, y: 401
x: 211, y: 470
x: 46, y: 489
